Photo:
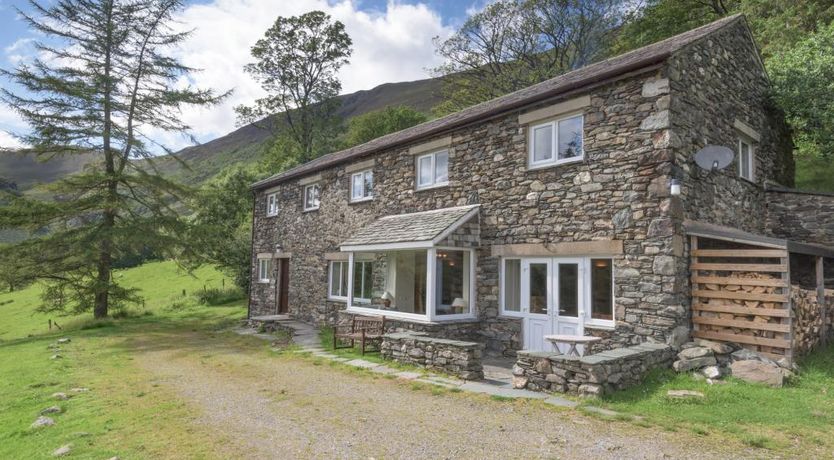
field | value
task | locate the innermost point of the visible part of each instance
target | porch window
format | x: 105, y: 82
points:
x: 338, y: 280
x: 264, y: 270
x: 363, y: 281
x: 452, y: 278
x: 362, y: 186
x: 311, y: 197
x: 556, y: 142
x: 602, y: 291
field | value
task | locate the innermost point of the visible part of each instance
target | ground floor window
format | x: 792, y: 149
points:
x: 338, y: 280
x: 424, y: 284
x: 602, y: 290
x: 264, y: 270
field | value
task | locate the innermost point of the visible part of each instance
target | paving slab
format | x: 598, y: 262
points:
x: 601, y: 411
x: 362, y: 363
x: 382, y: 369
x: 405, y: 375
x: 560, y: 402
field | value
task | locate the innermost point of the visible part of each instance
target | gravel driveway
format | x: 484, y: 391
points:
x: 287, y: 407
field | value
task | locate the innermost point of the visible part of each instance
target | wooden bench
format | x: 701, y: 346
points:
x: 573, y: 341
x: 365, y: 329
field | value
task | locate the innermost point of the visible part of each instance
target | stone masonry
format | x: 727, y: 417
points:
x: 640, y: 130
x: 454, y: 357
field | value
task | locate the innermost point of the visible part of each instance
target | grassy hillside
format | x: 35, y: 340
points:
x: 27, y: 171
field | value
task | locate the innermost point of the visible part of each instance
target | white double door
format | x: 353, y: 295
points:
x: 552, y: 300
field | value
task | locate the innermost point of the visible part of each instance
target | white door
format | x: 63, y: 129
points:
x: 551, y: 300
x: 537, y: 302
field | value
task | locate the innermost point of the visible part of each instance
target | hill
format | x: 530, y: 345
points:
x: 25, y: 170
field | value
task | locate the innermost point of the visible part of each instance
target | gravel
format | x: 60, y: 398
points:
x: 287, y: 407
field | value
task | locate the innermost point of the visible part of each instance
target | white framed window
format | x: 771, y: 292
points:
x: 362, y: 186
x: 510, y: 278
x: 272, y: 204
x: 746, y: 159
x: 433, y: 170
x: 311, y: 197
x: 338, y: 284
x: 556, y: 142
x: 264, y: 270
x: 601, y: 292
x: 363, y: 281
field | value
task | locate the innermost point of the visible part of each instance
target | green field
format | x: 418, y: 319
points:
x: 125, y: 413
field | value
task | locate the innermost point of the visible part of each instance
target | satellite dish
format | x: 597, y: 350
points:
x: 713, y: 157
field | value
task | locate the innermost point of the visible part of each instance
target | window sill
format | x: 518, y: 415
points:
x: 432, y: 187
x: 410, y: 317
x: 337, y: 299
x: 532, y: 167
x: 361, y: 200
x: 310, y: 210
x: 603, y: 327
x: 271, y: 215
x: 264, y: 281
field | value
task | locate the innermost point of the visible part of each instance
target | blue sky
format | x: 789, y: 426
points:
x: 392, y: 42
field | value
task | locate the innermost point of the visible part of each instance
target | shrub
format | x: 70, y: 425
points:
x: 219, y: 296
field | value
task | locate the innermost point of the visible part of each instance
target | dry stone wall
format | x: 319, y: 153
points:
x: 801, y: 216
x: 455, y: 357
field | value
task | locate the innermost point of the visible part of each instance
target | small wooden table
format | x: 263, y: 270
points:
x: 573, y: 341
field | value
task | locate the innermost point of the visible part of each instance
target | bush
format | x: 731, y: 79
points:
x: 219, y: 296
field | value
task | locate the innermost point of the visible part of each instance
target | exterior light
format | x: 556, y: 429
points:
x: 675, y: 187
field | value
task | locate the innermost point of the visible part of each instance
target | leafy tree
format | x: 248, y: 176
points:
x: 513, y: 44
x: 377, y: 123
x: 12, y: 273
x: 280, y: 154
x: 104, y: 83
x: 296, y: 63
x: 223, y: 223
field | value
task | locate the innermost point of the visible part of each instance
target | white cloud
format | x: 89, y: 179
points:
x: 388, y: 46
x: 9, y: 122
x: 18, y: 51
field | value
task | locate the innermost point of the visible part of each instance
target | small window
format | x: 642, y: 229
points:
x: 745, y: 160
x: 264, y: 270
x: 433, y: 170
x: 556, y: 142
x: 272, y: 204
x: 363, y: 281
x: 511, y: 286
x: 311, y: 197
x: 338, y: 280
x: 362, y: 186
x: 602, y: 291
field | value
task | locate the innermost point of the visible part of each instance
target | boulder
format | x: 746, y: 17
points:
x: 519, y: 382
x: 716, y: 347
x: 62, y: 451
x: 684, y: 394
x: 744, y: 354
x: 711, y: 372
x: 64, y: 340
x: 41, y: 422
x: 589, y: 389
x: 51, y: 410
x: 60, y: 396
x: 759, y: 372
x: 678, y: 336
x: 695, y: 352
x: 685, y: 365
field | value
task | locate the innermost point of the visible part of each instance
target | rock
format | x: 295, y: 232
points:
x: 518, y: 370
x: 744, y: 354
x: 694, y: 352
x: 41, y: 422
x: 519, y: 382
x: 711, y: 372
x: 686, y: 365
x: 589, y: 389
x: 678, y: 337
x: 664, y: 265
x: 56, y: 356
x: 654, y: 88
x: 60, y: 396
x: 51, y: 410
x: 79, y: 390
x: 655, y: 121
x: 716, y: 347
x: 64, y: 340
x: 785, y: 364
x: 61, y: 451
x: 543, y: 367
x: 759, y: 372
x: 688, y: 345
x: 685, y: 394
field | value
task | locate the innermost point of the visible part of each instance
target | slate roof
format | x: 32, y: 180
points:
x: 609, y: 68
x: 418, y: 227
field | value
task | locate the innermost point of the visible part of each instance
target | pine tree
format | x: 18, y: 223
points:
x: 104, y: 82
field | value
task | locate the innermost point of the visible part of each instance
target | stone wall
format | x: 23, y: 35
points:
x: 801, y: 216
x: 454, y: 357
x: 592, y: 375
x: 467, y: 330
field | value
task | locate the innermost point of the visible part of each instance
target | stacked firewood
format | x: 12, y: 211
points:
x: 807, y: 330
x: 743, y: 303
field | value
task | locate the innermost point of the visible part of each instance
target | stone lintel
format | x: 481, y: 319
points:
x: 309, y: 179
x: 555, y: 110
x: 336, y: 255
x: 426, y: 147
x: 362, y: 165
x: 747, y: 130
x: 573, y: 248
x: 274, y: 255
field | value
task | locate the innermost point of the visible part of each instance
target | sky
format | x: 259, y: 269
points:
x: 392, y: 42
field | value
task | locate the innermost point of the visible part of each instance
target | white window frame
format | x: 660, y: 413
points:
x: 554, y: 153
x: 365, y: 196
x: 502, y: 273
x: 431, y: 294
x: 589, y: 319
x: 361, y: 279
x: 342, y: 272
x: 304, y: 198
x: 272, y: 205
x: 264, y: 264
x: 750, y: 174
x: 434, y: 183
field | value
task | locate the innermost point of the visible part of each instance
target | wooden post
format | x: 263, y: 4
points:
x: 693, y: 246
x: 786, y: 275
x: 821, y: 299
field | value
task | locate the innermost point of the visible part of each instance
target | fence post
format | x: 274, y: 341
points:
x: 821, y: 299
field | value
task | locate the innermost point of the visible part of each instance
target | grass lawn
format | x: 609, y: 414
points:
x: 125, y: 413
x: 800, y: 414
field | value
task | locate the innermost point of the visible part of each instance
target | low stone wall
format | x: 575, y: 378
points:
x: 598, y: 374
x: 455, y: 357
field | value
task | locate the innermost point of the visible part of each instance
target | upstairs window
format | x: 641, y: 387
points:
x: 556, y: 142
x: 264, y: 270
x: 745, y: 159
x: 433, y: 170
x: 272, y: 204
x: 311, y: 197
x: 362, y: 186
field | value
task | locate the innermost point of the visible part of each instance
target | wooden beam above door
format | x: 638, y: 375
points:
x: 572, y: 248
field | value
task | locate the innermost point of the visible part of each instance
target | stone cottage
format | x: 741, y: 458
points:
x: 548, y: 210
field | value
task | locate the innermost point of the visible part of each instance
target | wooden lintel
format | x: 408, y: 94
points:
x: 572, y: 248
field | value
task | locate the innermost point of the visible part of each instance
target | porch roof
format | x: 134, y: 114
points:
x: 720, y: 232
x: 415, y: 230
